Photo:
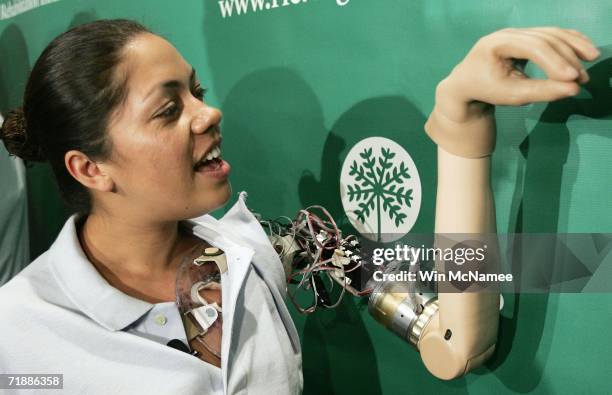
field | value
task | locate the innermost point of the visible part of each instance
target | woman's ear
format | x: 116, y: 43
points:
x: 88, y: 172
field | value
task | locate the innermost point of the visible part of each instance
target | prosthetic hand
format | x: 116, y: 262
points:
x: 462, y: 124
x: 462, y: 121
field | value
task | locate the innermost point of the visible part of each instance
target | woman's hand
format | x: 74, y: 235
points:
x: 462, y: 120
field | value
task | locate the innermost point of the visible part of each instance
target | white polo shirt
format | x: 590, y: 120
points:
x: 59, y: 316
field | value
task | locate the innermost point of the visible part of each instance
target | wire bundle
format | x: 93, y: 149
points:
x: 315, y: 254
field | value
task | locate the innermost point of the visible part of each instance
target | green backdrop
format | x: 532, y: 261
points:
x: 301, y: 84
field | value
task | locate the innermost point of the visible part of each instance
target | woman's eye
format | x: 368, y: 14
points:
x: 199, y: 92
x: 170, y: 111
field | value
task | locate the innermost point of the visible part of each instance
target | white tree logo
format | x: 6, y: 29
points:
x: 380, y: 189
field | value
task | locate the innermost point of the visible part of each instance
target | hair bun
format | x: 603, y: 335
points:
x: 16, y: 139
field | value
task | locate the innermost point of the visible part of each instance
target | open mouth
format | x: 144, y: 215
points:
x: 210, y: 162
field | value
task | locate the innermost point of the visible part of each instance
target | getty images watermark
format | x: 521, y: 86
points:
x: 229, y: 8
x: 510, y: 263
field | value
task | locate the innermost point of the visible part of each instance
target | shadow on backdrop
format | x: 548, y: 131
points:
x: 271, y: 117
x: 39, y: 178
x: 46, y: 211
x: 546, y: 151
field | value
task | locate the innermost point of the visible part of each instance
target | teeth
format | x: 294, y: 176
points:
x: 213, y: 154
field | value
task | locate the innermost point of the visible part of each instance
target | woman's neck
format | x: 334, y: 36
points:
x: 139, y: 259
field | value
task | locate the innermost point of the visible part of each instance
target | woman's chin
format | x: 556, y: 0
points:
x: 226, y: 195
x: 216, y: 199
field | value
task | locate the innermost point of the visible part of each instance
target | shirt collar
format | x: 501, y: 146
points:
x: 86, y: 288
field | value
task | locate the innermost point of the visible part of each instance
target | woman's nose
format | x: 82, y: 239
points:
x: 207, y: 120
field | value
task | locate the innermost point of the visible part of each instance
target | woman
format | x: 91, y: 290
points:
x: 120, y: 116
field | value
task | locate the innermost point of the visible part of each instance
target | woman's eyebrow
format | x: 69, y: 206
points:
x: 171, y: 85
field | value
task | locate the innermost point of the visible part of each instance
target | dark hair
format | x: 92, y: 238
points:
x: 69, y: 97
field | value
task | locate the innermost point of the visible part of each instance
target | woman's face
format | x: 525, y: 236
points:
x: 162, y: 136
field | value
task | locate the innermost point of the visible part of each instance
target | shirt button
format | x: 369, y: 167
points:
x: 160, y: 319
